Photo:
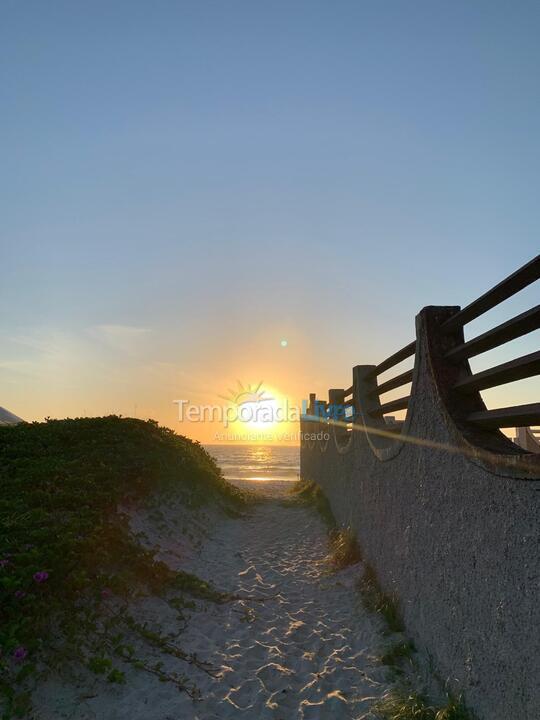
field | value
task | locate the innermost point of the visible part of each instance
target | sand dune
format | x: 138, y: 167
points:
x: 295, y: 644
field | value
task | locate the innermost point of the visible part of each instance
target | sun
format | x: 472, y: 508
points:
x: 259, y: 415
x: 257, y: 409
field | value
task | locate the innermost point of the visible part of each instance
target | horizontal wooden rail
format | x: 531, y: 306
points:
x: 505, y: 289
x: 518, y: 369
x: 518, y: 416
x: 392, y: 406
x: 396, y: 382
x: 394, y: 359
x: 510, y: 330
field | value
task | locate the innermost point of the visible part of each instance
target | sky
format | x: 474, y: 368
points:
x: 186, y: 184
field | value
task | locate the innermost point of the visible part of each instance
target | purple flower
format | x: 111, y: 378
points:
x: 20, y: 653
x: 19, y: 594
x: 41, y: 576
x: 4, y: 562
x: 106, y: 593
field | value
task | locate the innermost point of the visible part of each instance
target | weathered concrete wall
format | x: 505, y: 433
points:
x: 452, y: 530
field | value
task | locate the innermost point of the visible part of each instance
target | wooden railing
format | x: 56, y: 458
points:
x: 520, y: 368
x: 403, y: 378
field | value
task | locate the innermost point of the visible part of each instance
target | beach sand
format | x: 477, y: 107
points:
x: 296, y: 643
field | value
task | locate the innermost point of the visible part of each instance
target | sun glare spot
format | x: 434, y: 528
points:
x: 259, y: 415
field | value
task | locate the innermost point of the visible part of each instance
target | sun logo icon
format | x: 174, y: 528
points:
x: 246, y: 394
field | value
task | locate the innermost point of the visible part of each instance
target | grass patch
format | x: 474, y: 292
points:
x: 344, y: 550
x: 398, y: 652
x: 61, y: 539
x: 377, y: 601
x: 307, y: 492
x: 194, y: 586
x: 400, y: 704
x: 396, y: 705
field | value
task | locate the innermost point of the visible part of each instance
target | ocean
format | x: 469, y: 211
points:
x: 257, y: 462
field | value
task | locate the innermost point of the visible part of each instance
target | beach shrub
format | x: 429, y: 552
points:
x: 61, y: 537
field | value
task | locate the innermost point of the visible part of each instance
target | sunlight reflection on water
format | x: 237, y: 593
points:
x: 257, y: 463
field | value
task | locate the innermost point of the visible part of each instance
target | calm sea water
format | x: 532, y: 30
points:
x: 257, y: 462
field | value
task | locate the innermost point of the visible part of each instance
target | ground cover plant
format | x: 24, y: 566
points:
x: 65, y: 551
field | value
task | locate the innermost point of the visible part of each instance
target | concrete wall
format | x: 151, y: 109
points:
x: 452, y: 527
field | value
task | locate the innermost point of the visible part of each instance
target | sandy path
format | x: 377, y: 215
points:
x: 308, y: 650
x: 298, y: 645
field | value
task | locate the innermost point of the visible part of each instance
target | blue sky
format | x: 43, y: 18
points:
x: 185, y: 183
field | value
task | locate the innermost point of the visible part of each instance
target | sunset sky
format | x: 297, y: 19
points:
x: 186, y: 184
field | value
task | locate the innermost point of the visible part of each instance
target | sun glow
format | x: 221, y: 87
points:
x: 256, y: 407
x: 260, y: 410
x: 259, y: 415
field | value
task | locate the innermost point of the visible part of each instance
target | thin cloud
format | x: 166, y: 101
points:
x: 120, y: 337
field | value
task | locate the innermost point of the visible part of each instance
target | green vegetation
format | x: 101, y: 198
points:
x: 398, y: 652
x: 343, y: 546
x: 377, y: 601
x: 344, y: 550
x: 62, y: 541
x: 194, y: 586
x: 400, y: 703
x: 397, y: 705
x: 307, y: 492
